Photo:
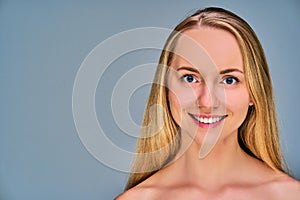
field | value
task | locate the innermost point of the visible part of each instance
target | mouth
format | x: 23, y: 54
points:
x: 205, y: 121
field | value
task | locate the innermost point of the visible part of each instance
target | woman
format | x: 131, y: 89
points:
x: 216, y: 136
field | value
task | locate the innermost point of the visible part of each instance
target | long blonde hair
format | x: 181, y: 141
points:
x: 258, y: 134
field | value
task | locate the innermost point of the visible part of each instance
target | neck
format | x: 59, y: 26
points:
x: 225, y: 160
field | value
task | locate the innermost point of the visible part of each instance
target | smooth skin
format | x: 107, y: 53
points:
x: 227, y: 172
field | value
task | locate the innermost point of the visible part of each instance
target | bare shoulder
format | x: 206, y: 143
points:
x: 285, y: 187
x: 148, y: 189
x: 130, y: 194
x: 139, y: 192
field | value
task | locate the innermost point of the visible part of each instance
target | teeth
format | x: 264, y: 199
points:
x: 205, y: 120
x: 209, y: 120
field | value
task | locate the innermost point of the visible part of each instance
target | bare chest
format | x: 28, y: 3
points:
x: 228, y: 194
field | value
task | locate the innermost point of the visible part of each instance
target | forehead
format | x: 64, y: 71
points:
x: 208, y: 46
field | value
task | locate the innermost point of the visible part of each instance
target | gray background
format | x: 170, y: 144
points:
x: 42, y: 45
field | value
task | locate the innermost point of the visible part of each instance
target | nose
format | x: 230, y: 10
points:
x: 206, y: 97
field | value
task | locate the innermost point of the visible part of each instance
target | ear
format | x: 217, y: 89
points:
x: 251, y: 102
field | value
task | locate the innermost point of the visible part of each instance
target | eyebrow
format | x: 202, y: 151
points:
x: 188, y: 68
x: 225, y: 71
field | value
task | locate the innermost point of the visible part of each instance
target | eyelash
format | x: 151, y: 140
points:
x: 230, y: 77
x: 195, y: 79
x: 183, y: 78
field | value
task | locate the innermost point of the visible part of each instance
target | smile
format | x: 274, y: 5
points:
x: 204, y: 120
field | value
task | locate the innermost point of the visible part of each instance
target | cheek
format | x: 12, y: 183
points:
x: 238, y: 103
x: 181, y: 98
x: 181, y: 94
x: 179, y: 102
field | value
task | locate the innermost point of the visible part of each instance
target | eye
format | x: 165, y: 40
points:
x: 230, y: 80
x: 189, y: 78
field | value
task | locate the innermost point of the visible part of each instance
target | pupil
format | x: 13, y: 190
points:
x: 229, y: 80
x: 190, y: 79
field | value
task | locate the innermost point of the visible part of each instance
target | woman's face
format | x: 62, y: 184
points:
x: 208, y: 96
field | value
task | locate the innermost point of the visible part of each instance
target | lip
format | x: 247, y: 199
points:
x: 207, y: 120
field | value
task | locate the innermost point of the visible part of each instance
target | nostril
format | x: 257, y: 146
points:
x: 208, y: 96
